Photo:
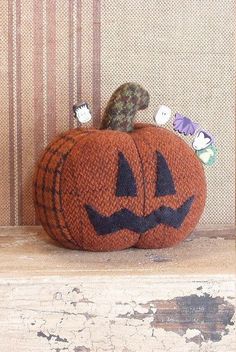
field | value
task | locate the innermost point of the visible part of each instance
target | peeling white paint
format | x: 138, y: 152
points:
x: 192, y: 333
x: 56, y: 300
x: 38, y: 315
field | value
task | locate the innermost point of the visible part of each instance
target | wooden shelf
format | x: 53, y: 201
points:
x: 29, y: 251
x: 174, y: 299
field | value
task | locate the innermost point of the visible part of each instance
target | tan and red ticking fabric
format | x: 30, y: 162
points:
x: 79, y: 171
x: 50, y: 59
x: 56, y: 53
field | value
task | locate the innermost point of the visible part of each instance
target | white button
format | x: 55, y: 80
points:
x: 162, y: 115
x: 82, y: 112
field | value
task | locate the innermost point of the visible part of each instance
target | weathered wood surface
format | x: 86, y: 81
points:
x: 29, y: 251
x: 178, y: 299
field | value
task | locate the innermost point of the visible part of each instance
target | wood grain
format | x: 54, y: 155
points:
x: 205, y: 252
x: 176, y: 299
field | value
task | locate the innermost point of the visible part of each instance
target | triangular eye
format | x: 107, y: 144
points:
x: 165, y: 185
x: 125, y: 184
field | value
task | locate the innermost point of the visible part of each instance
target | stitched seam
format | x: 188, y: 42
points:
x: 143, y: 177
x: 60, y: 165
x: 38, y: 168
x: 61, y: 193
x: 78, y: 193
x: 164, y: 226
x: 43, y: 194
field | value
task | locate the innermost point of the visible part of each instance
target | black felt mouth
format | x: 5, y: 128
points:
x: 126, y: 219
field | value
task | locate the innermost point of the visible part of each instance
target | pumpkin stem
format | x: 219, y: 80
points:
x: 122, y: 107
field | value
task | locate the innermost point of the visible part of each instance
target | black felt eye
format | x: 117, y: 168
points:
x: 125, y: 184
x: 165, y: 184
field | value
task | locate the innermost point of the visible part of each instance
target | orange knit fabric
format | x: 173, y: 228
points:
x: 80, y: 168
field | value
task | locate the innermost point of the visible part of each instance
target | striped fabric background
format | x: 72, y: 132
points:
x: 55, y: 53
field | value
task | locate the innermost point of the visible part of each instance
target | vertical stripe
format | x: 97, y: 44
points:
x: 74, y: 26
x: 234, y: 88
x: 96, y: 61
x: 86, y: 20
x: 27, y: 102
x: 44, y: 37
x: 15, y: 123
x: 38, y: 79
x: 4, y: 113
x: 78, y: 51
x: 18, y: 116
x: 11, y: 113
x: 14, y: 103
x: 71, y: 64
x: 62, y: 66
x: 51, y: 69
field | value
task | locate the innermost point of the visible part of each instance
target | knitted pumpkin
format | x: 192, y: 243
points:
x: 121, y: 185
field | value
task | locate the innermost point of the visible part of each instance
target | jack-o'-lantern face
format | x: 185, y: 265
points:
x: 126, y: 187
x: 145, y: 189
